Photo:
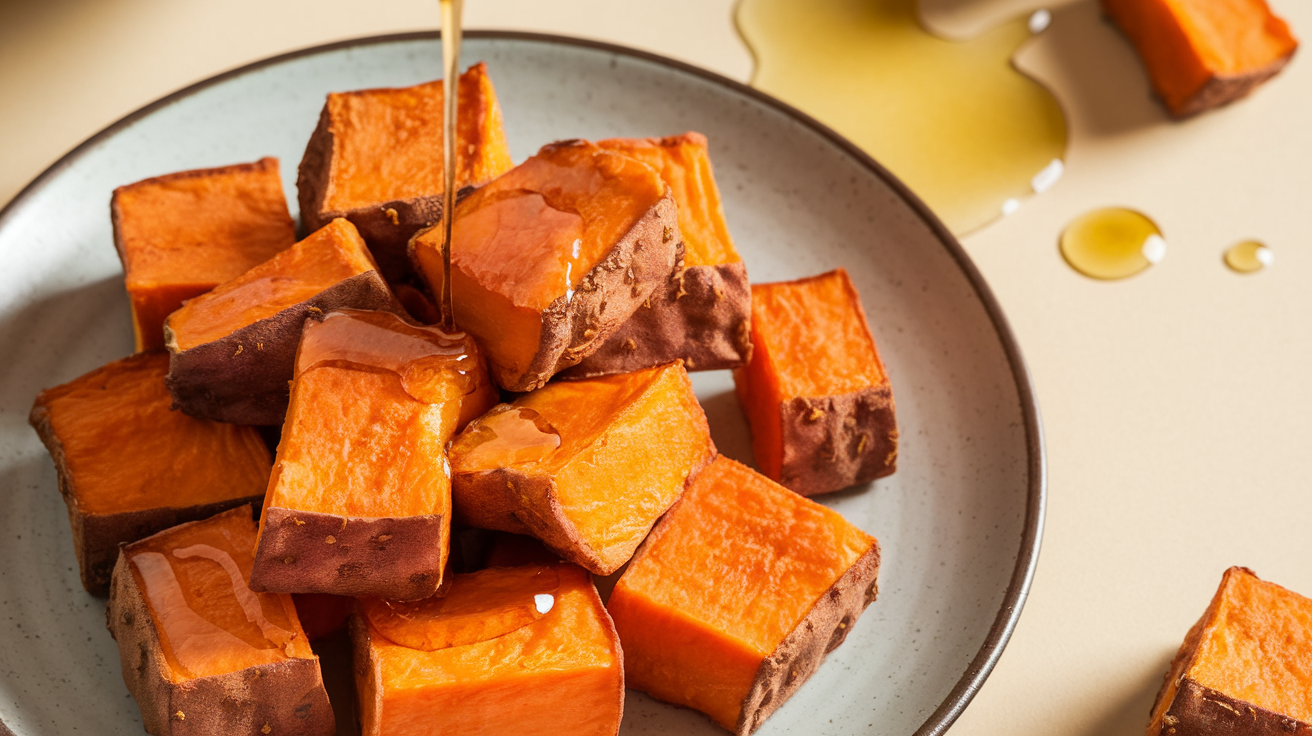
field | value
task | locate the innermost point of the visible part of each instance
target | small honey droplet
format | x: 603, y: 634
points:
x: 1249, y: 256
x: 1112, y: 243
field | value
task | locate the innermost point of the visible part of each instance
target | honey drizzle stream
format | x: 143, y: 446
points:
x: 451, y: 11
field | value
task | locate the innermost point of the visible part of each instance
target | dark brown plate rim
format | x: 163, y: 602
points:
x: 1027, y: 557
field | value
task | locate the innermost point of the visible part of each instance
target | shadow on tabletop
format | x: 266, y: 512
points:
x: 1096, y: 74
x: 1129, y: 717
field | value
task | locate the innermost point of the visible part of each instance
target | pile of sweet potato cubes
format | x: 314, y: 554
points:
x: 558, y: 431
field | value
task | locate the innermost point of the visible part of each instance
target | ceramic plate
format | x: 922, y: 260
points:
x: 959, y: 522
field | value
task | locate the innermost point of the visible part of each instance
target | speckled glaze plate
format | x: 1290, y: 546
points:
x: 959, y: 522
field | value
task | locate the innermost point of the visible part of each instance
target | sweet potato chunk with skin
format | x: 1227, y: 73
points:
x: 815, y: 392
x: 702, y: 314
x: 1245, y: 668
x: 1202, y: 54
x: 738, y: 594
x: 128, y: 466
x: 376, y: 159
x: 585, y: 466
x: 522, y: 650
x: 360, y: 498
x: 180, y: 235
x: 233, y: 349
x: 552, y: 257
x: 201, y: 652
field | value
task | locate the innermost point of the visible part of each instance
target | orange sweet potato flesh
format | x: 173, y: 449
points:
x: 553, y: 256
x: 684, y: 163
x: 1245, y: 667
x: 376, y: 159
x: 209, y: 622
x: 1202, y: 54
x: 374, y: 403
x: 585, y: 466
x: 129, y: 466
x: 328, y: 256
x: 736, y: 536
x: 815, y: 392
x: 536, y: 655
x: 180, y: 235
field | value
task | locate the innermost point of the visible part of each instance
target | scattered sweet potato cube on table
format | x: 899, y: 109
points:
x: 1202, y: 54
x: 1245, y: 669
x: 549, y: 259
x: 585, y: 466
x: 233, y: 349
x: 180, y: 235
x: 520, y: 650
x: 702, y: 314
x: 128, y: 466
x: 203, y: 654
x: 376, y: 159
x: 816, y: 395
x: 738, y: 594
x: 360, y: 500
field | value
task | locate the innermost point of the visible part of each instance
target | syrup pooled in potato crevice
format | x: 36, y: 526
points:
x: 209, y: 622
x: 383, y: 342
x: 510, y: 435
x: 479, y: 607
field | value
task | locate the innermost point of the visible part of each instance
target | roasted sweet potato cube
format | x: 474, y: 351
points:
x: 702, y: 314
x: 815, y: 393
x: 585, y: 466
x: 129, y: 467
x: 550, y: 258
x: 1202, y: 54
x: 1245, y: 668
x: 180, y: 235
x: 690, y: 637
x: 520, y: 650
x: 203, y: 654
x: 233, y: 349
x: 360, y: 499
x: 376, y: 159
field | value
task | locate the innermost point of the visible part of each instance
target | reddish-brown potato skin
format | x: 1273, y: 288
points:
x: 702, y: 316
x: 1202, y: 711
x: 243, y: 378
x: 518, y: 503
x: 801, y: 653
x: 1222, y: 89
x: 385, y: 557
x: 834, y: 442
x: 284, y: 697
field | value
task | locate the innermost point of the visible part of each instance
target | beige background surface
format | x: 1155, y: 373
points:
x: 1177, y: 404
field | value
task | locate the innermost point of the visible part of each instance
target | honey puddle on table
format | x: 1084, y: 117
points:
x: 954, y: 120
x: 1112, y: 243
x: 1249, y: 256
